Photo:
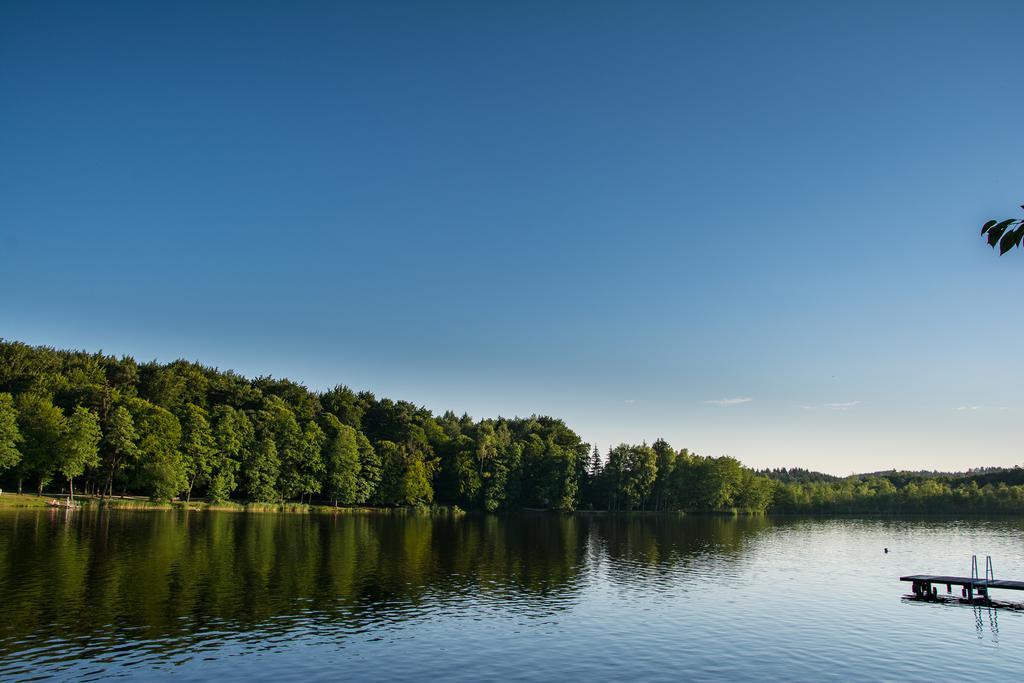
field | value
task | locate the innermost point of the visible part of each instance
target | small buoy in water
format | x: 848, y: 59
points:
x: 887, y: 550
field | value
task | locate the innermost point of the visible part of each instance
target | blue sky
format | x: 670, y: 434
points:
x: 749, y: 228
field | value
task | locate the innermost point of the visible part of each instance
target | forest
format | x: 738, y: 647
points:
x: 106, y: 426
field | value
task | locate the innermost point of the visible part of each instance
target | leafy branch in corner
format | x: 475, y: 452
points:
x: 1008, y: 233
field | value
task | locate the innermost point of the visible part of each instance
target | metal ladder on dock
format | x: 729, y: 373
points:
x: 990, y: 575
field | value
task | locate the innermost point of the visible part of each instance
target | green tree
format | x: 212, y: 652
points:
x: 10, y: 436
x: 595, y: 494
x: 632, y: 471
x: 468, y: 468
x: 569, y: 489
x: 392, y: 471
x: 718, y: 482
x: 417, y: 488
x: 293, y: 450
x: 263, y: 471
x: 303, y: 403
x: 198, y: 447
x: 311, y: 467
x: 42, y: 426
x: 499, y: 467
x: 535, y: 489
x: 406, y: 476
x: 683, y: 481
x: 551, y: 462
x: 642, y: 472
x: 369, y: 469
x: 665, y: 462
x: 345, y: 405
x: 159, y: 439
x: 341, y: 456
x: 119, y: 445
x: 80, y: 446
x: 755, y: 493
x: 234, y: 436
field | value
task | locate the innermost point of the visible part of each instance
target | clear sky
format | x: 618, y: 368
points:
x: 750, y: 228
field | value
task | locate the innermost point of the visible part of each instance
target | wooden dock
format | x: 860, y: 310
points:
x: 925, y: 585
x: 964, y: 581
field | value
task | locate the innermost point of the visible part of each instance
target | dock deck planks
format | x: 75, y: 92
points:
x: 965, y: 581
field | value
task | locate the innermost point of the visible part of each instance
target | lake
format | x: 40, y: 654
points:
x: 147, y: 595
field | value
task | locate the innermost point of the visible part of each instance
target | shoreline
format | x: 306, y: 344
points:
x: 30, y: 501
x: 25, y: 501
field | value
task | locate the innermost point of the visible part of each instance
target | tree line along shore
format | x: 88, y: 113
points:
x: 105, y: 426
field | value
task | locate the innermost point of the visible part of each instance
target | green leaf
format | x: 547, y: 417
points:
x: 994, y: 234
x: 1018, y: 235
x: 1012, y: 238
x: 1009, y: 241
x: 997, y: 230
x: 988, y: 224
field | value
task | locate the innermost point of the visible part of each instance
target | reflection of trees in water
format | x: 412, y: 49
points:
x: 104, y: 578
x: 640, y: 546
x: 163, y: 575
x: 535, y: 555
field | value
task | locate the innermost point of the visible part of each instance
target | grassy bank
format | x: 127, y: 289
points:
x: 30, y: 500
x: 21, y: 500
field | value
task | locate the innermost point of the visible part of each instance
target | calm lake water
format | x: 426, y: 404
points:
x: 149, y: 595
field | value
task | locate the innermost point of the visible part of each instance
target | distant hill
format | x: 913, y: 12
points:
x: 793, y: 475
x: 981, y: 475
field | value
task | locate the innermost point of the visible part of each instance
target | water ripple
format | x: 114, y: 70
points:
x: 141, y: 596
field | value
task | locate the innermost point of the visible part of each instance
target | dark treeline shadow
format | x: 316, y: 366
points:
x: 101, y: 579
